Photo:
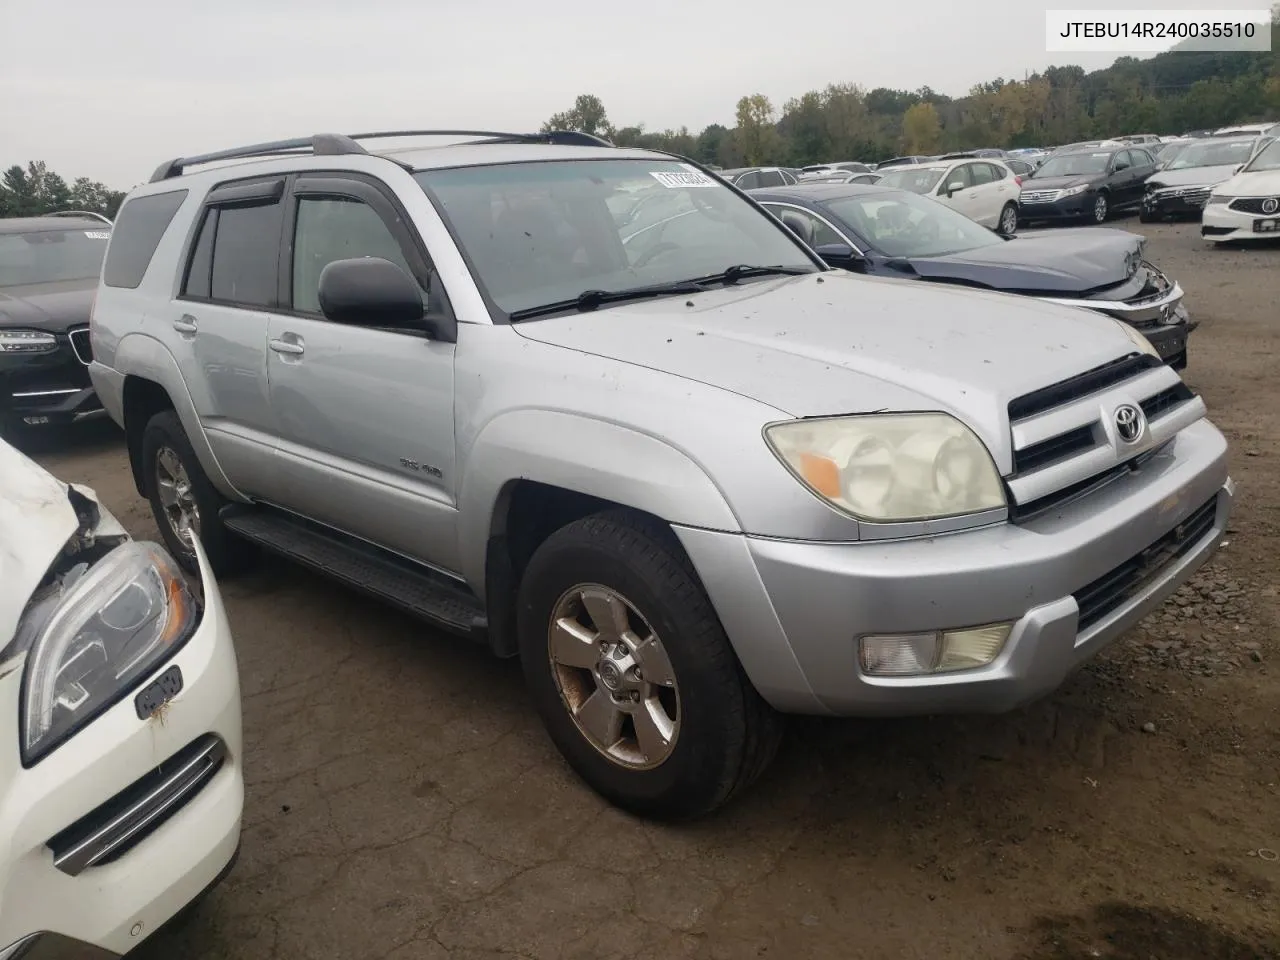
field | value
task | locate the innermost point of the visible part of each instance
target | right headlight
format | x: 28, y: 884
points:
x: 887, y: 468
x: 1216, y: 198
x: 92, y: 641
x: 27, y: 341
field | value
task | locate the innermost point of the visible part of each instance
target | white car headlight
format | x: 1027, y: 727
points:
x: 96, y: 637
x: 27, y: 341
x: 1139, y: 339
x: 1074, y: 191
x: 888, y: 468
x: 1215, y: 199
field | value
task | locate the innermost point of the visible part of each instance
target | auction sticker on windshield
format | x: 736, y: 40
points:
x: 97, y: 234
x: 674, y: 179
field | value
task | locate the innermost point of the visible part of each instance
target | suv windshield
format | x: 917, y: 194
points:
x: 902, y: 224
x: 51, y: 256
x: 1074, y: 165
x: 1267, y: 159
x: 539, y: 233
x: 914, y: 178
x: 1213, y: 153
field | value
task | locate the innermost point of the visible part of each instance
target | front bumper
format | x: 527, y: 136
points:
x: 1188, y: 203
x: 794, y: 610
x: 105, y: 909
x: 52, y: 388
x: 1220, y: 222
x: 1064, y: 208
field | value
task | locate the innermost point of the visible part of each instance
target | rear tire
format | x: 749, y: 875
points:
x: 1007, y: 225
x: 719, y: 735
x: 175, y: 484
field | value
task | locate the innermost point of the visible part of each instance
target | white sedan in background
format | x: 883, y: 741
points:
x: 121, y: 788
x: 1246, y: 207
x: 983, y: 189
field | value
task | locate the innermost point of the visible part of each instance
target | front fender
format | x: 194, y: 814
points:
x: 143, y: 356
x: 588, y: 456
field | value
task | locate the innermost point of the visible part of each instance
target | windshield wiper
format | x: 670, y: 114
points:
x: 592, y: 299
x: 740, y: 271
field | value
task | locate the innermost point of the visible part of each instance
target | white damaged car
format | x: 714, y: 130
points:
x: 121, y: 787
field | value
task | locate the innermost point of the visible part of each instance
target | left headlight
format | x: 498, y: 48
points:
x: 887, y: 468
x: 98, y: 638
x: 27, y: 341
x: 1076, y: 190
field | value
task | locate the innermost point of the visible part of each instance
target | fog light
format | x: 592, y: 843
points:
x: 899, y: 655
x: 941, y: 651
x: 975, y: 647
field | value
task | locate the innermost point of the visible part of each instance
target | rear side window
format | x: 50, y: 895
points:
x: 136, y: 234
x: 235, y: 256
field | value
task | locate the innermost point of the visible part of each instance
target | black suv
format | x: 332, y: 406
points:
x: 49, y: 270
x: 1086, y: 183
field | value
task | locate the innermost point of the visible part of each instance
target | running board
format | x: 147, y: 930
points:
x: 421, y: 592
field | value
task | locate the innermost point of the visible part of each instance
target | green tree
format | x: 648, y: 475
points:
x: 587, y: 115
x: 756, y: 134
x: 921, y: 129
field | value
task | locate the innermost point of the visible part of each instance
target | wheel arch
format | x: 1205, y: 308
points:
x: 153, y: 382
x: 531, y: 472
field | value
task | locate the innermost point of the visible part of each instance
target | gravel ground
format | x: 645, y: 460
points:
x: 404, y: 804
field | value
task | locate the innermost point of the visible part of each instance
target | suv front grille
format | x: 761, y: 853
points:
x: 81, y: 344
x: 1065, y: 438
x: 1114, y: 588
x: 1196, y: 195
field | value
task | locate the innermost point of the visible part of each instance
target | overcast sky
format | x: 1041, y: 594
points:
x: 110, y: 88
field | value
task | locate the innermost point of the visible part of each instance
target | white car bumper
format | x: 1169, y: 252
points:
x: 1221, y: 223
x: 67, y: 908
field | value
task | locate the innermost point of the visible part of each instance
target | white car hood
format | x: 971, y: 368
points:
x: 1263, y: 183
x: 36, y: 521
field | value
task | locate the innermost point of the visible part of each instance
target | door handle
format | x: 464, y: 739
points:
x: 291, y: 347
x: 186, y: 324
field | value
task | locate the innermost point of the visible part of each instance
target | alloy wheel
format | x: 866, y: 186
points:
x: 173, y: 486
x: 614, y: 676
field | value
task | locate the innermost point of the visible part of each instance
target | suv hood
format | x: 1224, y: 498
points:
x: 1192, y: 176
x: 52, y: 307
x: 1067, y: 262
x: 838, y: 343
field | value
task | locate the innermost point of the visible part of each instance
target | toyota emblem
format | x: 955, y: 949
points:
x: 1128, y: 422
x: 1270, y: 205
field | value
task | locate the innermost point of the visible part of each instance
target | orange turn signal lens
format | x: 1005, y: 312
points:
x: 821, y: 473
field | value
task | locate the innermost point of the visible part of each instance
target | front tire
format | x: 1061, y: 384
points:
x: 1101, y: 209
x: 184, y: 501
x: 632, y: 673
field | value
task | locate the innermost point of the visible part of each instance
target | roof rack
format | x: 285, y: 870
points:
x: 91, y: 214
x: 336, y: 144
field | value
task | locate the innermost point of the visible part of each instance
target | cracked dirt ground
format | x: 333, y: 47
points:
x: 403, y: 802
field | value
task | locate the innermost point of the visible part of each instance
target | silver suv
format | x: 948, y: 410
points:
x: 595, y: 408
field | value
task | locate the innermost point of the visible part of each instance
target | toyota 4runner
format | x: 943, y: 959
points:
x: 595, y: 408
